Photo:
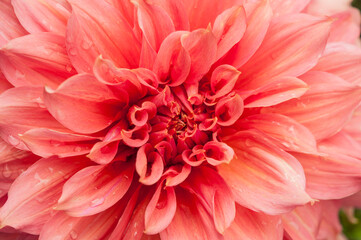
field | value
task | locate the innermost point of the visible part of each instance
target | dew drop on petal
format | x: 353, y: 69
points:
x: 73, y: 234
x: 97, y: 202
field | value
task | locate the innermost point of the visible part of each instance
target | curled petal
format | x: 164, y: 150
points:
x: 281, y: 7
x: 217, y: 153
x: 229, y: 109
x: 136, y: 137
x: 140, y: 115
x: 34, y: 193
x: 160, y: 210
x: 146, y: 157
x: 261, y: 170
x: 176, y: 174
x: 96, y: 188
x: 223, y: 80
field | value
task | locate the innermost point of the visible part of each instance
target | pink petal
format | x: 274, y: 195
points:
x: 223, y: 79
x: 281, y: 7
x: 330, y: 227
x: 17, y: 236
x: 8, y: 153
x: 229, y: 109
x: 46, y: 143
x: 190, y: 222
x: 214, y: 194
x: 95, y: 28
x: 275, y: 92
x: 43, y: 16
x: 342, y: 173
x: 344, y: 29
x: 149, y: 165
x: 229, y: 28
x: 176, y: 10
x: 249, y: 225
x: 303, y: 222
x: 290, y: 134
x: 109, y: 183
x: 305, y: 37
x: 36, y: 191
x: 98, y: 226
x: 172, y: 60
x: 262, y: 176
x: 103, y: 152
x: 36, y: 59
x: 217, y: 153
x: 10, y: 26
x: 342, y: 60
x: 149, y: 17
x: 326, y: 106
x: 259, y: 16
x: 82, y: 99
x: 126, y: 8
x: 176, y: 174
x: 201, y: 13
x: 160, y: 210
x: 4, y: 83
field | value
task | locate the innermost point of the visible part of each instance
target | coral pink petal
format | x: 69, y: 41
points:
x: 303, y: 222
x: 342, y: 173
x: 275, y: 92
x: 330, y: 227
x: 43, y: 16
x: 109, y: 184
x: 284, y: 130
x: 176, y: 174
x: 259, y: 16
x: 176, y: 10
x: 46, y: 143
x: 82, y: 99
x: 229, y: 109
x: 249, y: 225
x: 9, y: 153
x: 190, y: 222
x: 305, y: 37
x: 10, y: 26
x: 262, y: 176
x: 214, y: 194
x: 223, y: 79
x: 229, y: 28
x: 344, y: 29
x: 352, y: 201
x: 149, y: 164
x: 95, y: 28
x: 36, y: 59
x: 343, y: 60
x: 160, y: 210
x: 149, y: 17
x: 126, y: 9
x: 326, y: 106
x: 35, y: 192
x: 103, y: 152
x: 98, y: 226
x: 217, y: 153
x: 172, y: 59
x: 201, y: 13
x: 4, y: 83
x: 17, y: 236
x: 281, y: 7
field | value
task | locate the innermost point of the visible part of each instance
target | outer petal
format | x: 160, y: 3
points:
x: 259, y: 16
x: 46, y: 143
x: 249, y: 225
x: 82, y: 99
x: 43, y: 15
x: 277, y: 91
x: 96, y: 188
x: 10, y: 26
x: 35, y: 192
x: 98, y: 226
x: 305, y: 37
x: 95, y: 28
x: 326, y: 106
x: 303, y: 222
x: 286, y: 131
x: 343, y: 60
x: 36, y: 59
x: 345, y: 29
x: 342, y: 173
x: 262, y: 176
x: 281, y: 7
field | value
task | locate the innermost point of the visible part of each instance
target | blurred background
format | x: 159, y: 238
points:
x: 352, y: 225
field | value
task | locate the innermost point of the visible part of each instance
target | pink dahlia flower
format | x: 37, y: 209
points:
x: 176, y: 120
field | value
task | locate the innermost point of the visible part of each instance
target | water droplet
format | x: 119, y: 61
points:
x: 68, y: 68
x: 78, y: 149
x: 97, y: 202
x: 6, y: 172
x: 72, y: 51
x: 86, y: 44
x: 13, y: 140
x: 55, y: 143
x: 51, y: 169
x: 19, y: 75
x: 248, y: 142
x: 73, y: 234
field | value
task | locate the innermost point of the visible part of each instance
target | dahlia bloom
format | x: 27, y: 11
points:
x: 169, y: 119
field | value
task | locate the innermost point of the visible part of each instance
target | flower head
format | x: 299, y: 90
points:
x: 176, y: 119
